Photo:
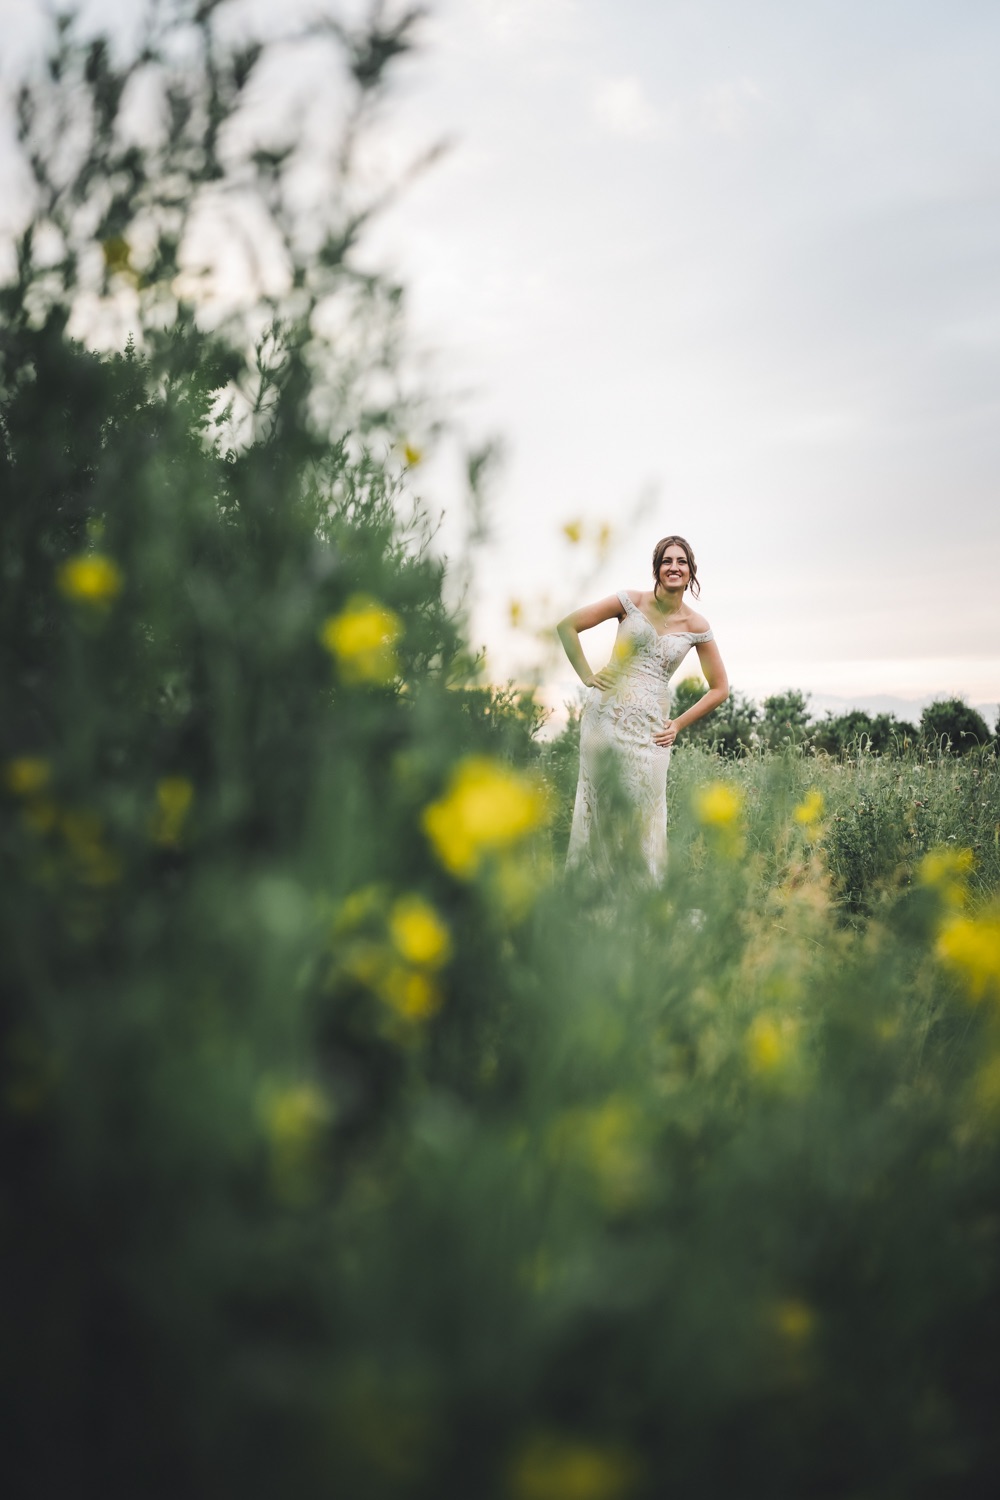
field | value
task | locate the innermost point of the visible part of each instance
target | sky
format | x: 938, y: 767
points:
x: 728, y: 268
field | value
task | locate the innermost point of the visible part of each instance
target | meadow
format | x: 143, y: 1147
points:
x: 346, y: 1147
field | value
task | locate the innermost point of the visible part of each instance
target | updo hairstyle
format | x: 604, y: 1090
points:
x: 658, y: 551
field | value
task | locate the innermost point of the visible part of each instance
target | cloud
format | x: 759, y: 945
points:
x: 729, y: 108
x: 622, y: 108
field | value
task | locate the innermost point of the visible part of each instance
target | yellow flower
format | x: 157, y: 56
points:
x: 412, y: 994
x: 515, y: 611
x: 718, y: 805
x: 95, y: 863
x: 363, y: 639
x: 604, y: 537
x: 412, y: 455
x: 555, y: 1468
x: 945, y: 870
x: 174, y: 795
x: 488, y: 806
x: 794, y: 1320
x: 971, y: 946
x: 810, y: 810
x: 26, y: 775
x: 770, y: 1044
x: 573, y: 532
x: 419, y: 933
x: 117, y: 253
x: 294, y: 1116
x: 90, y: 579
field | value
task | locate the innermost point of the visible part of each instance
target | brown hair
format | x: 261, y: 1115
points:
x: 658, y: 551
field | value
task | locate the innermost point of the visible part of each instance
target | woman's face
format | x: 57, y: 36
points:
x: 675, y: 570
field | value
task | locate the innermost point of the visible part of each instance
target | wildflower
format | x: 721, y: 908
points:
x: 554, y: 1468
x: 117, y: 254
x: 419, y: 933
x: 487, y: 807
x: 810, y: 810
x: 294, y: 1116
x: 95, y: 863
x: 412, y: 455
x: 412, y: 994
x: 604, y: 537
x: 945, y: 870
x: 770, y: 1044
x: 718, y: 805
x: 174, y: 795
x: 794, y: 1320
x: 971, y: 946
x: 26, y: 775
x: 363, y: 639
x: 573, y: 532
x: 90, y: 579
x: 515, y: 613
x: 359, y: 907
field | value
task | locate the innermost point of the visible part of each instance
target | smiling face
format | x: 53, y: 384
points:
x: 674, y: 572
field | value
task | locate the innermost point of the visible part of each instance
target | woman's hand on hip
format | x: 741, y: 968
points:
x: 603, y: 679
x: 667, y: 735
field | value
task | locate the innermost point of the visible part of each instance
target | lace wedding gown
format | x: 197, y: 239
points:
x: 620, y: 814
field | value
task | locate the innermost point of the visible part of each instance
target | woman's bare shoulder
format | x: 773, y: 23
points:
x: 698, y: 623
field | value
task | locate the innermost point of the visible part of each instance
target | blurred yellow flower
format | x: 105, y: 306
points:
x: 26, y: 775
x: 295, y: 1116
x: 770, y: 1043
x: 411, y: 993
x: 945, y: 870
x: 174, y: 795
x: 794, y: 1320
x: 971, y: 946
x: 515, y: 612
x: 412, y: 454
x: 95, y: 862
x: 810, y: 810
x: 718, y: 805
x: 117, y: 253
x: 573, y: 532
x: 604, y: 537
x: 90, y: 579
x: 363, y: 639
x: 359, y: 907
x: 555, y: 1468
x: 419, y: 933
x: 487, y: 807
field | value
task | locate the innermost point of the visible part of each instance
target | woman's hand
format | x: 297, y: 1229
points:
x: 603, y: 679
x: 667, y: 735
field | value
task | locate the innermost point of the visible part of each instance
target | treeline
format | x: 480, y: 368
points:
x: 949, y: 724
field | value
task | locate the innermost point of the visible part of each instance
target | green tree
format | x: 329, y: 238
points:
x: 786, y: 719
x: 951, y: 724
x: 883, y: 734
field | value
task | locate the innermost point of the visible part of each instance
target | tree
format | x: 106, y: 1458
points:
x: 950, y: 724
x: 786, y: 719
x: 856, y: 730
x: 731, y: 729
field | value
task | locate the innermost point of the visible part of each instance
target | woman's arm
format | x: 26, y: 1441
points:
x: 569, y: 633
x: 718, y: 692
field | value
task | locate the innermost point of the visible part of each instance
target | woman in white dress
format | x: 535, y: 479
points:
x: 620, y: 815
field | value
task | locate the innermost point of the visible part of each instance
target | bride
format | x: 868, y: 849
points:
x: 626, y: 731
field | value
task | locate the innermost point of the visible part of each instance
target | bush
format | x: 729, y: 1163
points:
x: 342, y: 1148
x: 949, y: 724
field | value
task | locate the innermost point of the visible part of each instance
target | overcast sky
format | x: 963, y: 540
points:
x: 743, y: 255
x: 729, y: 268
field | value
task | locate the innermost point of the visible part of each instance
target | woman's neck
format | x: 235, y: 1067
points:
x: 667, y: 601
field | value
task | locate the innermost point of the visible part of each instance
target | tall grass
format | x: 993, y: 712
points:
x: 347, y: 1148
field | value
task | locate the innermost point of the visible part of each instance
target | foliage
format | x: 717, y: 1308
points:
x: 950, y: 724
x: 343, y: 1149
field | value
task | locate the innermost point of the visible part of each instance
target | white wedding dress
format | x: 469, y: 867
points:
x: 620, y: 814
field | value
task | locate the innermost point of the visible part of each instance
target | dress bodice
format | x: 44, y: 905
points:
x: 641, y: 648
